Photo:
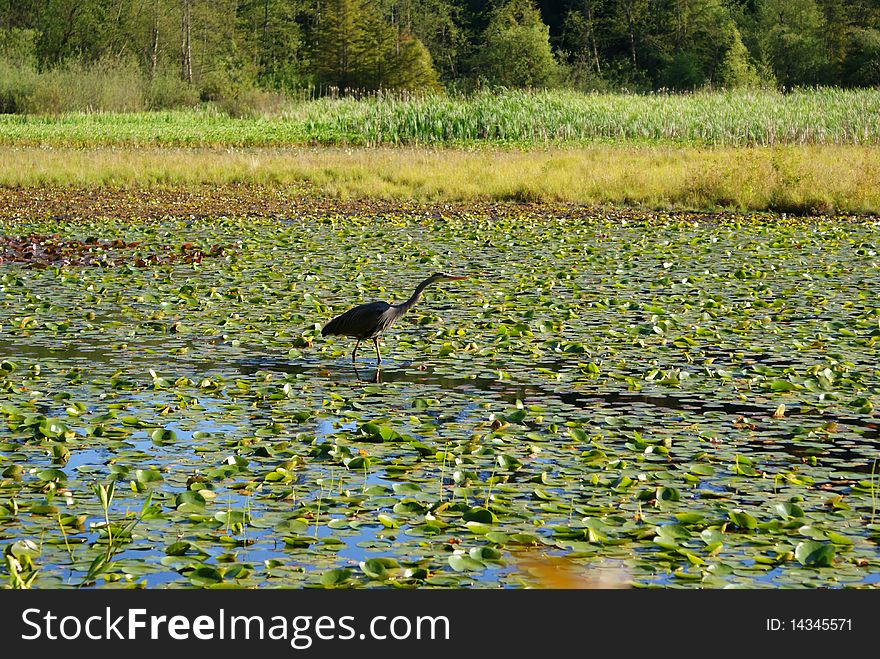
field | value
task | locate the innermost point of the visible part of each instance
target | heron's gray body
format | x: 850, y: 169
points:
x: 364, y: 321
x: 370, y: 320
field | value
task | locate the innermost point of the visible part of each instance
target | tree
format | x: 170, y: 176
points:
x: 580, y: 34
x: 516, y: 50
x: 338, y: 43
x: 631, y: 15
x: 356, y: 48
x: 272, y: 41
x: 439, y: 24
x: 793, y: 41
x: 709, y: 49
x: 861, y: 66
x: 412, y: 67
x: 186, y: 72
x: 736, y: 68
x: 227, y: 46
x: 376, y: 49
x: 702, y: 37
x: 18, y: 46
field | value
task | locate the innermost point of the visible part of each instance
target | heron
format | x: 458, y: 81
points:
x: 370, y: 320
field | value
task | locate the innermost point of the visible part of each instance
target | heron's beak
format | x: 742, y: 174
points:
x: 455, y: 277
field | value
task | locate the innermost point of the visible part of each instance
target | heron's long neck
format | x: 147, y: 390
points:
x: 417, y: 294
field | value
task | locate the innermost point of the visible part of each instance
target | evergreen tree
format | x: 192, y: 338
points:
x: 411, y: 67
x: 439, y: 24
x: 371, y: 44
x: 339, y: 41
x: 376, y: 48
x: 356, y: 49
x: 736, y: 68
x: 702, y: 37
x: 272, y: 40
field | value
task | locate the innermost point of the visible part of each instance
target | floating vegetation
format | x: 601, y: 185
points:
x: 40, y: 251
x: 611, y: 399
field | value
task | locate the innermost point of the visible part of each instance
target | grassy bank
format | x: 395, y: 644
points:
x: 799, y: 179
x: 744, y: 118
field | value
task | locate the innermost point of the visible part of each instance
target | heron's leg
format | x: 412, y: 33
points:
x: 355, y: 351
x: 378, y: 356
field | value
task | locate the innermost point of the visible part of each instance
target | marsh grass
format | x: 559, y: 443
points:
x: 796, y: 179
x: 755, y: 117
x: 517, y: 118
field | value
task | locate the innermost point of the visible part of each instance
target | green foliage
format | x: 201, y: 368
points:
x: 412, y: 68
x: 701, y: 34
x: 792, y: 40
x: 17, y: 84
x: 516, y: 50
x: 732, y: 118
x: 340, y: 44
x: 18, y: 46
x: 736, y: 69
x: 167, y: 91
x: 375, y: 49
x: 583, y: 68
x: 862, y: 63
x: 273, y: 42
x: 304, y: 48
x: 357, y: 50
x: 683, y: 72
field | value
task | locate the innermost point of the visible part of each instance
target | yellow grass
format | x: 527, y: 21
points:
x: 794, y: 178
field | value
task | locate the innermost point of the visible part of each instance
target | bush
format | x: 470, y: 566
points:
x: 253, y: 102
x: 167, y: 92
x: 110, y: 85
x: 17, y: 83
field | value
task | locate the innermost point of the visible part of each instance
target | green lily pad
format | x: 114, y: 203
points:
x: 335, y: 577
x: 814, y: 554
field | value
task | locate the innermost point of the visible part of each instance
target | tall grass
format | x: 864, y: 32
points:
x: 789, y: 178
x: 740, y: 118
x: 757, y: 117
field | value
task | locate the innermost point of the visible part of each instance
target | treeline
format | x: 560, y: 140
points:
x: 183, y: 51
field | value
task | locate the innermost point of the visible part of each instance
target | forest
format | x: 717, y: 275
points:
x: 186, y: 51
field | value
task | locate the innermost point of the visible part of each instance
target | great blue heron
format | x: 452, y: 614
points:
x: 368, y: 321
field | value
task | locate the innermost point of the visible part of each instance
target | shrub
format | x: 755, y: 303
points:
x: 17, y: 83
x: 253, y: 102
x: 110, y: 85
x: 167, y: 91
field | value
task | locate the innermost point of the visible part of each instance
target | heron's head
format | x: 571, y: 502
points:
x: 442, y: 276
